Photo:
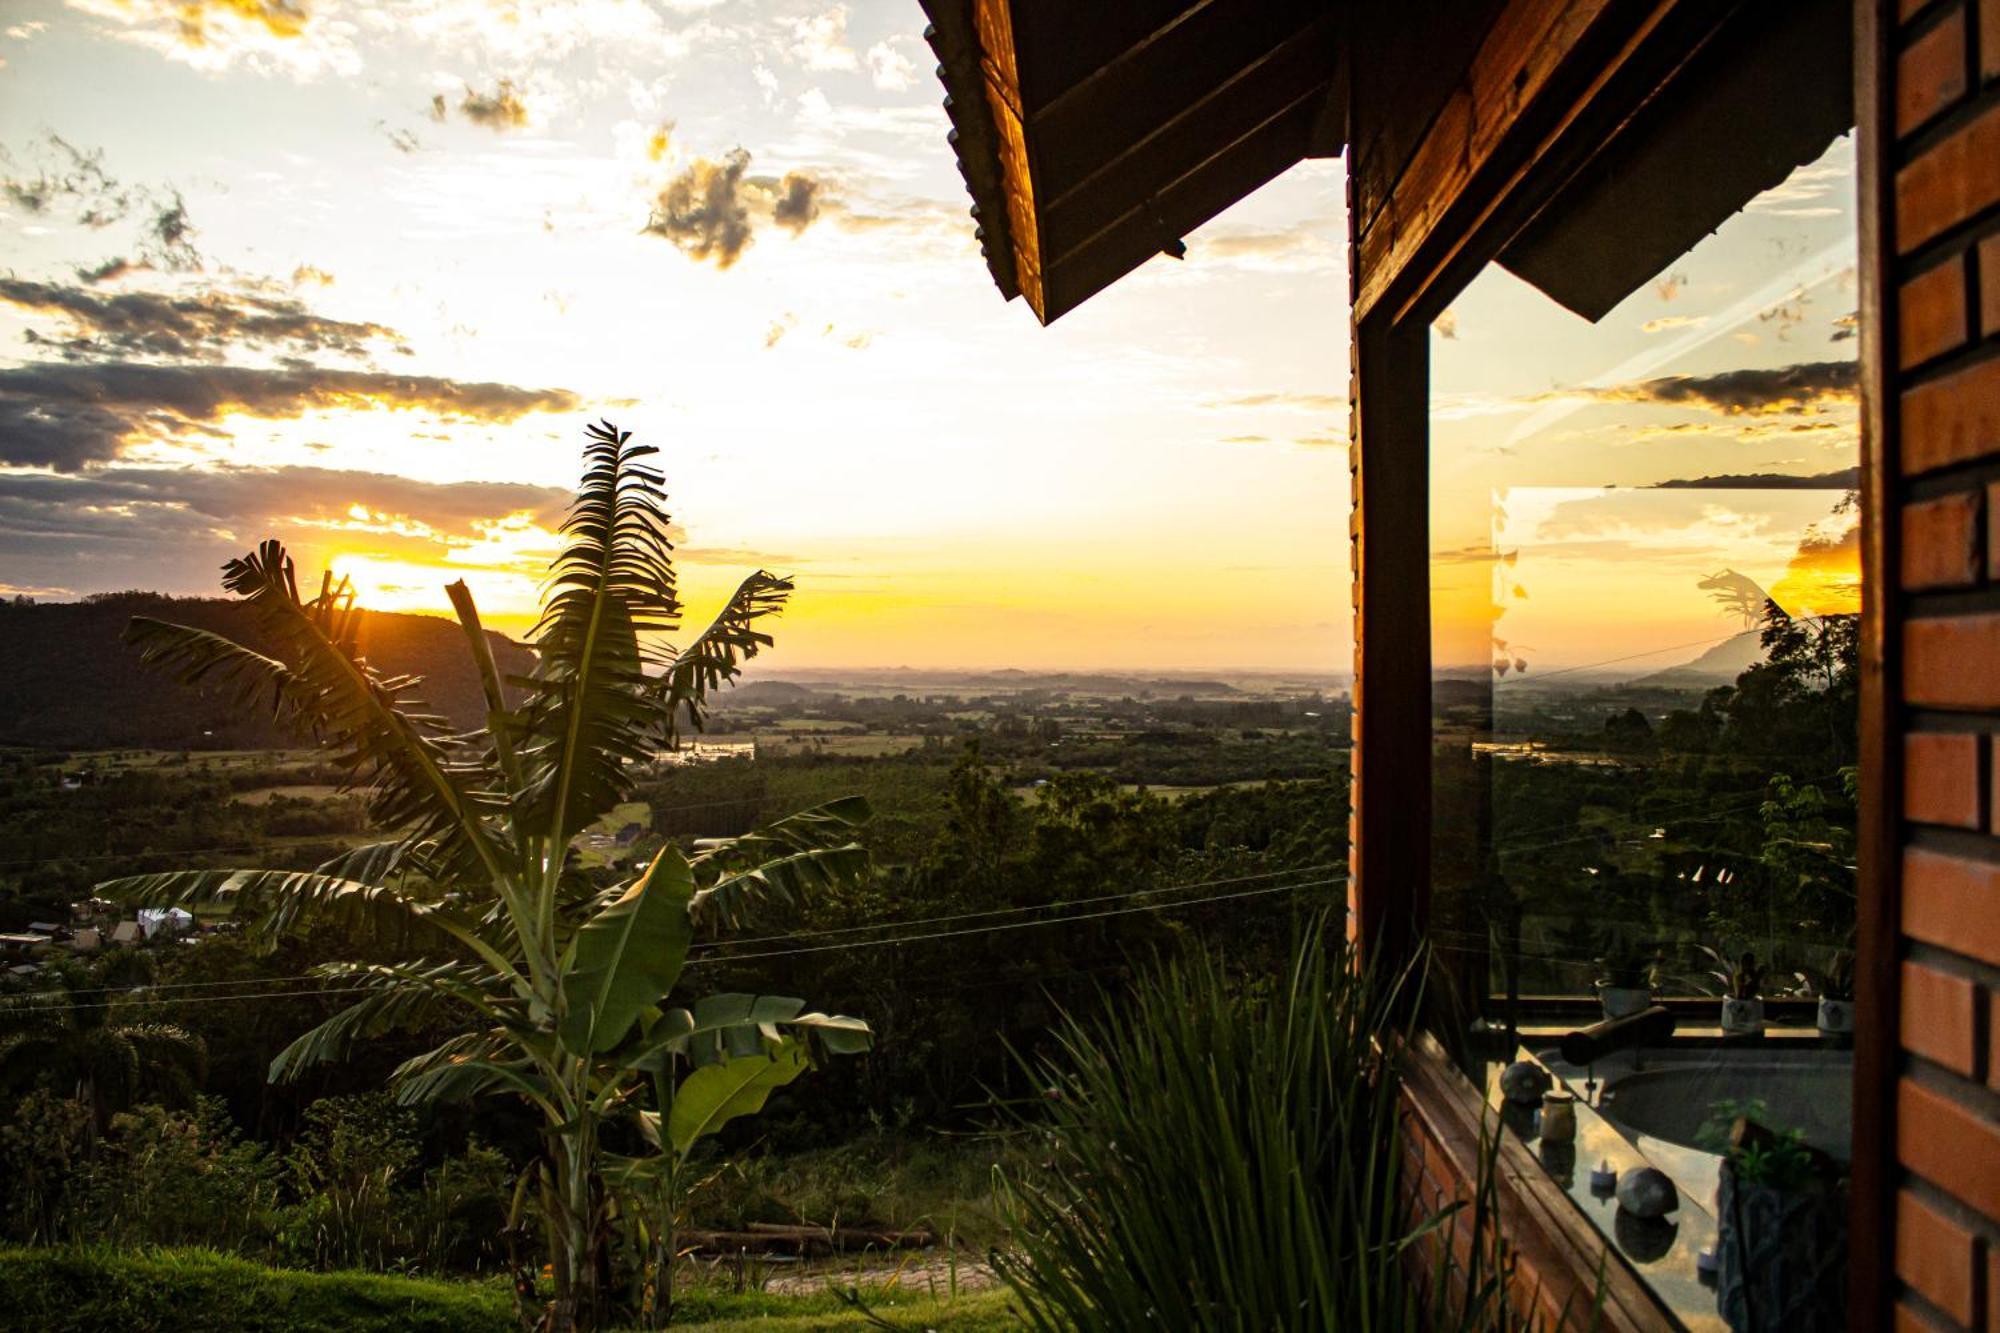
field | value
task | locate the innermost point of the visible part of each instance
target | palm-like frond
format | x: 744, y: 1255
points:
x: 717, y: 654
x: 392, y: 997
x: 275, y: 903
x: 783, y: 863
x: 589, y: 711
x: 326, y: 689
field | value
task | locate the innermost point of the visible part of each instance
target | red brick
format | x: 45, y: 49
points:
x: 1989, y: 66
x: 1941, y: 778
x: 1935, y: 1255
x: 1993, y: 1252
x: 1941, y: 542
x: 1952, y: 661
x: 1930, y: 73
x: 1952, y: 902
x: 1948, y: 183
x: 1993, y: 785
x: 1953, y: 419
x: 1950, y: 1145
x: 1930, y: 313
x: 1993, y: 1043
x: 1939, y: 1017
x: 1993, y: 530
x: 1909, y: 1321
x: 1989, y: 276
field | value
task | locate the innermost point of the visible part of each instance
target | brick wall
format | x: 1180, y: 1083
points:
x: 1940, y: 221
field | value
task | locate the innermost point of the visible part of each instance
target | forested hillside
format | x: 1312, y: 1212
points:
x: 71, y: 680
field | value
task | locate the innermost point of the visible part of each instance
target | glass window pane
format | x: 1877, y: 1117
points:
x: 1645, y: 580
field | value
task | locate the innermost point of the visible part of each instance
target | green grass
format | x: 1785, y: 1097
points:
x: 92, y: 1290
x: 974, y: 1312
x: 97, y: 1290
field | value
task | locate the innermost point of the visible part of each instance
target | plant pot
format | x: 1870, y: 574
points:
x: 1619, y: 1001
x: 1782, y: 1257
x: 1836, y: 1015
x: 1741, y: 1016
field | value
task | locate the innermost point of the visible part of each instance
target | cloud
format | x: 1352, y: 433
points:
x: 110, y: 270
x: 781, y: 326
x: 63, y: 176
x: 1665, y: 322
x: 1446, y: 324
x: 170, y: 236
x: 1823, y: 577
x: 66, y: 174
x: 1760, y: 391
x: 703, y: 212
x: 889, y: 68
x: 269, y: 36
x: 820, y: 41
x: 67, y: 415
x: 311, y: 274
x: 404, y: 141
x: 1845, y: 479
x: 129, y: 526
x: 1290, y: 402
x: 797, y: 206
x: 200, y: 327
x: 659, y: 141
x: 500, y: 110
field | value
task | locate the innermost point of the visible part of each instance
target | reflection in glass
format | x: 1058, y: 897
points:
x: 1645, y: 584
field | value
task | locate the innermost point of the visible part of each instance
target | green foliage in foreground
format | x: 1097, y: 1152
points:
x: 1226, y: 1156
x: 102, y: 1290
x: 99, y: 1290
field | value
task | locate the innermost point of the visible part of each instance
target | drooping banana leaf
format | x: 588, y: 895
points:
x: 627, y: 957
x: 713, y: 1095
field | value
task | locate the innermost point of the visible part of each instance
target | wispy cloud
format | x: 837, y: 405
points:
x: 67, y: 415
x: 500, y: 110
x: 203, y: 327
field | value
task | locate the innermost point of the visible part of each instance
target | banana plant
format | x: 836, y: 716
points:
x: 568, y: 990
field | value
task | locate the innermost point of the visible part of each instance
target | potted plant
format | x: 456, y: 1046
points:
x: 1742, y: 1003
x: 1781, y: 1234
x: 1626, y: 974
x: 1835, y: 988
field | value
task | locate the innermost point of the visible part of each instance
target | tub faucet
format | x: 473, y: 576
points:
x: 1649, y: 1027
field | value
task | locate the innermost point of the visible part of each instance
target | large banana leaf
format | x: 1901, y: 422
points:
x: 723, y: 1027
x: 628, y: 956
x: 713, y: 1095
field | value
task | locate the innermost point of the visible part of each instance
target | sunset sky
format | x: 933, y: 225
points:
x: 356, y: 275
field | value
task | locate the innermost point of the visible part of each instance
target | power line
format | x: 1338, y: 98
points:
x: 1020, y: 925
x: 788, y: 937
x: 1064, y: 905
x: 781, y: 953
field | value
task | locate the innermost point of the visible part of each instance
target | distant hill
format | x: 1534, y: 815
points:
x: 1720, y: 665
x: 70, y: 680
x: 768, y: 693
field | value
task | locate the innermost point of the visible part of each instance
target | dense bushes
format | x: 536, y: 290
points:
x: 349, y: 1192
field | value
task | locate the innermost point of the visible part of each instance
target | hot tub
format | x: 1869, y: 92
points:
x: 1675, y: 1103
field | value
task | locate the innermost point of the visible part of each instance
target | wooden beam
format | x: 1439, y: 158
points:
x: 1542, y: 66
x: 1879, y: 828
x: 1390, y: 844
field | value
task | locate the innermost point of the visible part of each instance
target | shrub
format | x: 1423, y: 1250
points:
x: 179, y: 1178
x: 1225, y: 1156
